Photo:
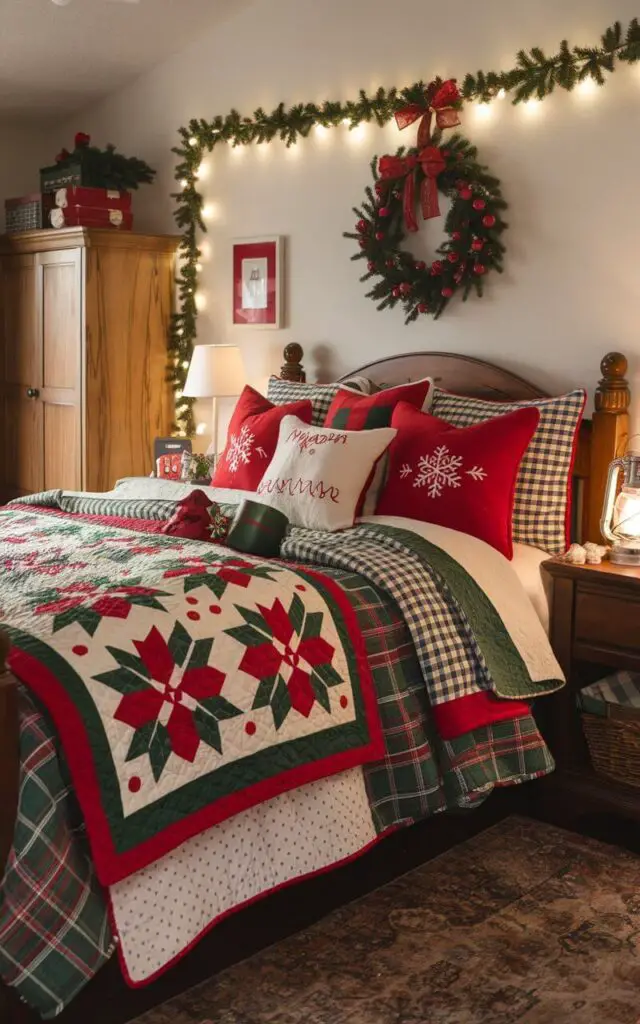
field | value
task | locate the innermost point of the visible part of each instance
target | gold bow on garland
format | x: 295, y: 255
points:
x: 444, y: 101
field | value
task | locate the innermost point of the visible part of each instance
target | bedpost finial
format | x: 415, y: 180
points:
x: 612, y: 394
x: 292, y: 368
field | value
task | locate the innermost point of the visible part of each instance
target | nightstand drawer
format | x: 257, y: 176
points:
x: 606, y: 620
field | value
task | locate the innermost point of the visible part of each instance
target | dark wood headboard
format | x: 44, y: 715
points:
x: 602, y: 438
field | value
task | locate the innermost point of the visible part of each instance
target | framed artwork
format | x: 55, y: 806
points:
x: 257, y: 281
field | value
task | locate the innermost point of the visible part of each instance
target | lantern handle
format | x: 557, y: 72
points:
x: 609, y: 499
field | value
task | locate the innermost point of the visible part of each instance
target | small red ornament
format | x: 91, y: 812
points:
x: 63, y: 155
x: 371, y: 265
x: 453, y: 257
x: 479, y: 268
x: 423, y: 308
x: 396, y: 292
x: 465, y: 193
x: 362, y: 243
x: 384, y: 211
x: 436, y: 268
x: 489, y: 221
x: 82, y: 139
x: 379, y: 236
x: 477, y: 245
x: 380, y: 188
x: 389, y: 264
x: 421, y: 265
x: 446, y: 293
x: 479, y: 204
x: 405, y: 288
x: 446, y: 153
x: 456, y: 236
x: 361, y: 226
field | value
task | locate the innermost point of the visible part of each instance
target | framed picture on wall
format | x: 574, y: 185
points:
x: 257, y: 281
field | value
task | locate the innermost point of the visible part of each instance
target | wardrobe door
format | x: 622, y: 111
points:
x: 60, y: 287
x: 21, y: 411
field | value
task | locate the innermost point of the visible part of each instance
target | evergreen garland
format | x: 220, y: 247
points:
x: 104, y: 168
x: 535, y: 76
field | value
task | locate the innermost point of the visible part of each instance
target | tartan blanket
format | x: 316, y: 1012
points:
x: 420, y: 774
x: 184, y: 687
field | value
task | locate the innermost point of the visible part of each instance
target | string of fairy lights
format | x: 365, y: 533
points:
x: 534, y: 76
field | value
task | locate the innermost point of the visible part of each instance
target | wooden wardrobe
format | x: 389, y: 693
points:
x: 84, y: 315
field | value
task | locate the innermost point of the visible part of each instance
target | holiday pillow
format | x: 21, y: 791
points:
x: 463, y: 478
x: 542, y: 508
x: 252, y: 438
x: 351, y: 410
x: 317, y: 474
x: 280, y: 392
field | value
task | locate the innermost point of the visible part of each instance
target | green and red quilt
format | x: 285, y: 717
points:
x: 185, y: 687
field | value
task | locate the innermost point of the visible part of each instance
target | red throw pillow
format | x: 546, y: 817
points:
x: 252, y: 438
x: 351, y: 410
x: 463, y: 478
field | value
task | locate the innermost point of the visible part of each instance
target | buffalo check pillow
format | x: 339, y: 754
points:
x: 542, y: 507
x: 317, y: 474
x: 280, y: 392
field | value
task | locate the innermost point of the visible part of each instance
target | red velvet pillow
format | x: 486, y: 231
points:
x: 463, y: 478
x: 252, y: 438
x: 351, y: 410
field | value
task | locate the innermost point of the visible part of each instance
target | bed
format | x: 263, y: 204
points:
x: 600, y: 440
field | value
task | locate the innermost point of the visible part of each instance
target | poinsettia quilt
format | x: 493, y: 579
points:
x: 186, y: 683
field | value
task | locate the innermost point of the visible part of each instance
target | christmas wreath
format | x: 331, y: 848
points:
x: 474, y: 223
x: 103, y: 168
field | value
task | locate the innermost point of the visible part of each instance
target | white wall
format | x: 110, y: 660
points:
x: 571, y: 290
x: 25, y: 147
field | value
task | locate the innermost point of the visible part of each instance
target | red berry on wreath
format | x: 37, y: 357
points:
x: 489, y: 220
x: 453, y: 257
x: 421, y: 265
x: 396, y: 292
x: 362, y: 243
x: 436, y: 267
x: 446, y: 293
x: 479, y: 268
x: 479, y: 204
x: 477, y: 245
x: 456, y: 236
x: 389, y: 263
x: 371, y: 265
x: 361, y: 226
x: 380, y: 187
x: 465, y: 193
x: 379, y: 236
x: 446, y: 153
x: 405, y: 288
x: 384, y: 211
x: 423, y: 308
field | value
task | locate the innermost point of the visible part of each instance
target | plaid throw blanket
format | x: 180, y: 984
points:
x: 420, y: 774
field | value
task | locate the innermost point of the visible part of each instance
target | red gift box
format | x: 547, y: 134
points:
x: 93, y: 198
x: 88, y: 217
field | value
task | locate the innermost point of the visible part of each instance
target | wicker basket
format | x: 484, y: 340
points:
x: 614, y: 743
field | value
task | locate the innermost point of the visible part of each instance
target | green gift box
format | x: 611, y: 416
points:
x: 257, y: 529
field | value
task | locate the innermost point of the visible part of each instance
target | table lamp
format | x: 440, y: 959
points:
x: 215, y: 371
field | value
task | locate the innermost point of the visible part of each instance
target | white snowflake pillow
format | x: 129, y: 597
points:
x: 317, y: 474
x: 252, y: 438
x: 463, y: 478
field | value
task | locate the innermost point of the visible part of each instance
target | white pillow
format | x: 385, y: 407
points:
x: 317, y: 474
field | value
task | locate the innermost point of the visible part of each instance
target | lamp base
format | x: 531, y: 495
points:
x: 621, y: 554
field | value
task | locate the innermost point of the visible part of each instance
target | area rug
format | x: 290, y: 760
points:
x: 524, y: 923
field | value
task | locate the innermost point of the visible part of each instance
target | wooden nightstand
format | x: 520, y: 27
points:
x: 595, y: 629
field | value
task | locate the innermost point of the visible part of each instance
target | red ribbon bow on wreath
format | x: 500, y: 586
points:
x: 429, y: 157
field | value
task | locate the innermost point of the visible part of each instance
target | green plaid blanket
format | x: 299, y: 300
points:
x: 54, y: 933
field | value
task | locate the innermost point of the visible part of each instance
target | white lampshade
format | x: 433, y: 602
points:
x: 215, y: 371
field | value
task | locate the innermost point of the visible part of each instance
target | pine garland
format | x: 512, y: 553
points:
x: 534, y: 76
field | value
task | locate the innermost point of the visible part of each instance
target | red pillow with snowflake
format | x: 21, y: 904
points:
x: 460, y: 477
x: 252, y: 438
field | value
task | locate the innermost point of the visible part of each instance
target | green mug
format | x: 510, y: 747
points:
x: 257, y: 529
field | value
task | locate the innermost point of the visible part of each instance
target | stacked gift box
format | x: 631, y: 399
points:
x: 86, y: 188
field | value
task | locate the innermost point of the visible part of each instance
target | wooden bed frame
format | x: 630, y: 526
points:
x: 602, y: 439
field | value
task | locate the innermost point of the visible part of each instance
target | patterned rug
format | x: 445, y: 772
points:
x: 524, y: 923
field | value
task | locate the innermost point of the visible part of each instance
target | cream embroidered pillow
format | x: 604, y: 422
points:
x: 317, y: 474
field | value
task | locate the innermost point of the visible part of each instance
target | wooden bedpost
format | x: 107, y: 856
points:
x: 9, y: 753
x: 609, y: 436
x: 293, y: 369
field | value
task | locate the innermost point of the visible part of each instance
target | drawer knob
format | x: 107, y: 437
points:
x: 33, y: 393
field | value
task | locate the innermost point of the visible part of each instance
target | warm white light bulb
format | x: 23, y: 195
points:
x: 198, y: 267
x: 201, y: 429
x: 193, y: 141
x: 502, y: 93
x: 184, y: 183
x: 587, y: 88
x: 201, y: 301
x: 532, y: 107
x: 483, y: 111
